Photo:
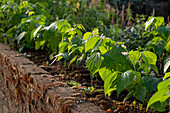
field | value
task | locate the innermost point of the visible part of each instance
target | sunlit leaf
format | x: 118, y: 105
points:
x: 167, y: 75
x: 167, y: 47
x: 97, y: 45
x: 134, y: 56
x: 73, y: 59
x: 149, y: 57
x: 36, y: 31
x: 39, y: 43
x: 109, y: 80
x: 21, y: 36
x: 102, y: 49
x: 103, y: 72
x: 87, y: 35
x: 148, y: 23
x: 166, y: 64
x: 63, y: 46
x: 158, y: 21
x: 91, y: 43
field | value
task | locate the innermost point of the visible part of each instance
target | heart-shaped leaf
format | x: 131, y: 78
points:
x: 150, y: 83
x: 125, y: 79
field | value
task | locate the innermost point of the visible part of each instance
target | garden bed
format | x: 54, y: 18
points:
x: 102, y: 54
x: 78, y: 77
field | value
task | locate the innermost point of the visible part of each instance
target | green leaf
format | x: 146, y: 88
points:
x: 95, y: 32
x: 76, y: 41
x: 52, y: 27
x: 154, y: 68
x: 91, y: 43
x: 81, y: 27
x: 79, y: 60
x: 102, y: 49
x: 12, y: 29
x: 41, y: 19
x: 73, y: 59
x: 109, y: 80
x: 73, y: 50
x: 122, y: 64
x: 158, y: 106
x: 160, y: 96
x: 97, y: 44
x: 128, y: 95
x: 56, y: 57
x: 53, y: 42
x: 39, y: 43
x: 21, y: 36
x: 93, y: 62
x: 63, y: 25
x: 134, y: 56
x: 159, y: 47
x: 80, y: 34
x: 164, y: 32
x: 148, y: 23
x: 125, y: 79
x: 63, y: 46
x: 167, y: 47
x: 156, y: 98
x: 108, y: 62
x: 103, y: 72
x: 46, y: 13
x: 140, y: 93
x: 158, y: 21
x: 31, y: 34
x: 149, y: 57
x: 150, y: 83
x: 166, y: 64
x: 166, y: 75
x: 164, y: 85
x: 37, y: 8
x: 36, y: 31
x: 87, y: 35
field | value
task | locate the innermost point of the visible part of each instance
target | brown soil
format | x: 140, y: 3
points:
x: 81, y: 76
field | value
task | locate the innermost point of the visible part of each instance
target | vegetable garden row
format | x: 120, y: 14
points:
x: 127, y: 53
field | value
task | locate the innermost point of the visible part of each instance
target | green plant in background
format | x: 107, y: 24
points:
x: 50, y: 36
x: 22, y: 19
x: 160, y: 34
x: 27, y: 27
x: 160, y: 38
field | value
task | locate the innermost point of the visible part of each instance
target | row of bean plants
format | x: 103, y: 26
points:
x: 33, y: 25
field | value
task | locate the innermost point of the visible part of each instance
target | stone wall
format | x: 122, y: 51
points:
x: 26, y: 88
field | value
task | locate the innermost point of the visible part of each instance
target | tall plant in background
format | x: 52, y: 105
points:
x: 20, y: 21
x: 160, y: 38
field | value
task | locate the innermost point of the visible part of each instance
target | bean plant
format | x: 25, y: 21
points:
x: 125, y: 53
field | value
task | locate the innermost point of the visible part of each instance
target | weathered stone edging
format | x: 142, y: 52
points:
x: 26, y: 88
